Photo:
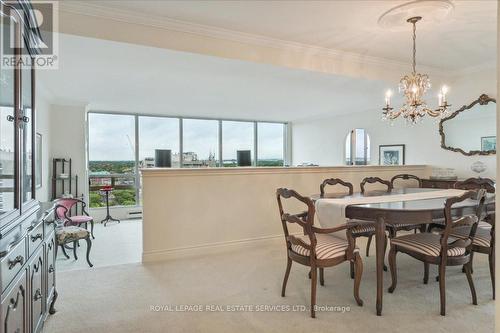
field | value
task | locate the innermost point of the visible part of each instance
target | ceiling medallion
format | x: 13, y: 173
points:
x: 414, y: 87
x: 434, y: 11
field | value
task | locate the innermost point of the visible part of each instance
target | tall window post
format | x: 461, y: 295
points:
x: 136, y: 152
x: 221, y: 162
x: 255, y: 144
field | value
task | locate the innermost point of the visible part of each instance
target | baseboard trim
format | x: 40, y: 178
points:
x: 208, y: 249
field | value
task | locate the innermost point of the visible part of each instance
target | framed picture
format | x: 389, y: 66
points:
x: 38, y: 160
x: 391, y: 154
x: 488, y: 143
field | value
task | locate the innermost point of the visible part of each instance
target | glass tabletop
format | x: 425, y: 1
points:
x: 409, y: 205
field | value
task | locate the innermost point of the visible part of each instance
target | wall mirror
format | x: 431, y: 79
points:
x: 471, y: 130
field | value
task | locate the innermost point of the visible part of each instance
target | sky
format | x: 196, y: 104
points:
x: 112, y: 137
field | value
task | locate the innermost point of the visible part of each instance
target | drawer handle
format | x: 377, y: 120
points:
x: 38, y: 295
x: 51, y: 269
x: 37, y: 236
x: 18, y: 260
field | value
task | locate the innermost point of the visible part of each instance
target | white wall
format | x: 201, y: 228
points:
x: 67, y: 140
x: 322, y: 141
x: 43, y: 127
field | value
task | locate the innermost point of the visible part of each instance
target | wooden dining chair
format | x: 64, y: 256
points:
x: 406, y: 177
x: 317, y: 248
x: 484, y: 239
x: 441, y: 249
x: 368, y: 230
x: 483, y: 242
x: 475, y: 184
x: 362, y: 228
x: 393, y: 229
x: 374, y: 180
x: 332, y: 182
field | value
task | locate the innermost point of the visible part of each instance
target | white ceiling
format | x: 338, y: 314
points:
x: 466, y: 39
x: 115, y: 76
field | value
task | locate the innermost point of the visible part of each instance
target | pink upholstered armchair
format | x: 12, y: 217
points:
x: 63, y: 213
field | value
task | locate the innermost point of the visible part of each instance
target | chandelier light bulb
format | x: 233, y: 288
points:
x: 388, y: 95
x: 444, y: 91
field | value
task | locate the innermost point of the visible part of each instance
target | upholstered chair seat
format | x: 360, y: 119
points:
x: 363, y: 228
x: 71, y: 233
x: 327, y: 246
x: 481, y: 238
x: 426, y: 243
x: 80, y: 219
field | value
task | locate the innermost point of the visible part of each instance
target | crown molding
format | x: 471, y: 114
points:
x: 127, y: 16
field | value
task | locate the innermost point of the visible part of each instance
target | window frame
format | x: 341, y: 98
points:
x: 286, y: 142
x: 353, y: 145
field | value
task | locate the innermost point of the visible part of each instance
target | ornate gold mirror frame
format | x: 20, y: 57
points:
x: 482, y: 100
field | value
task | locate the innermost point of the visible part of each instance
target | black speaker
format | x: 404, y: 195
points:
x: 163, y: 158
x: 244, y: 157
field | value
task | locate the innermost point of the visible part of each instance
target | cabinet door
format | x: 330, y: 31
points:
x: 8, y: 130
x: 14, y: 308
x: 37, y: 291
x: 51, y: 269
x: 27, y: 136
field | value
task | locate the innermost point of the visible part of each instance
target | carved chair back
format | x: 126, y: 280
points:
x: 65, y: 205
x: 476, y: 184
x: 304, y: 219
x: 373, y: 180
x: 467, y: 220
x: 335, y: 181
x: 406, y: 176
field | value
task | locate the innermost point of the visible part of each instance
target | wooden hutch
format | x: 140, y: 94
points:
x: 27, y: 243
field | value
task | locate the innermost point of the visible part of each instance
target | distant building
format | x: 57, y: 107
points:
x: 147, y: 162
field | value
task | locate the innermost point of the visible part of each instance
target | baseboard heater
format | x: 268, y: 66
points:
x: 134, y: 214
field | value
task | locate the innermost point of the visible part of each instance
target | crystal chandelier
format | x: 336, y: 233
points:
x: 414, y: 86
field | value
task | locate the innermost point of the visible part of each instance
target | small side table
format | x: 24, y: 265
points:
x: 108, y: 217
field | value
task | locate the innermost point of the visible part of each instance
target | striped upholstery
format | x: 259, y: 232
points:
x: 402, y: 225
x: 370, y: 228
x: 484, y: 225
x: 363, y: 228
x: 425, y: 243
x: 327, y: 246
x: 482, y: 237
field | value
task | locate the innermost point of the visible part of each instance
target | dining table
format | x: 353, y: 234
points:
x: 399, y: 206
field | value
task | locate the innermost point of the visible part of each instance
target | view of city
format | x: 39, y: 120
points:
x: 120, y: 175
x: 113, y: 145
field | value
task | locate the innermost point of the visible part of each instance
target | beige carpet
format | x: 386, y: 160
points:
x: 119, y: 298
x: 115, y: 244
